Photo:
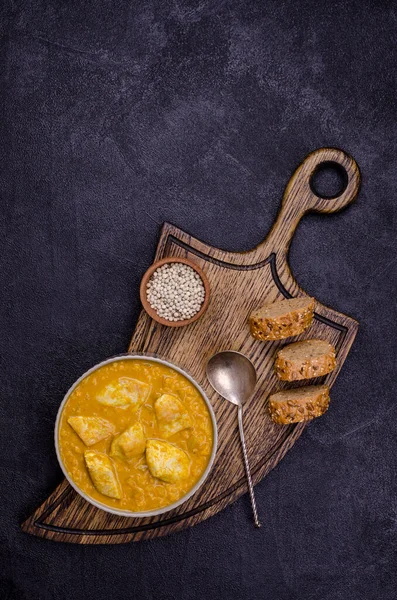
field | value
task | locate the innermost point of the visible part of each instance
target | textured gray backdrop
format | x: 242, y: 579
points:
x: 119, y: 115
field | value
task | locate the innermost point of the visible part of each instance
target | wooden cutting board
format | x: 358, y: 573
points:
x: 239, y: 283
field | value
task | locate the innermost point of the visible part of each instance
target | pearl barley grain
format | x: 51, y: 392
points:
x: 175, y: 291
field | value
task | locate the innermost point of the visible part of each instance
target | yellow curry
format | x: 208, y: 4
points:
x: 135, y: 435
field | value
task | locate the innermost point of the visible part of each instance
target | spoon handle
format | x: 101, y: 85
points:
x: 247, y: 467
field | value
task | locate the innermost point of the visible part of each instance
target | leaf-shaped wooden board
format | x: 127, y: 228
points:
x: 239, y: 283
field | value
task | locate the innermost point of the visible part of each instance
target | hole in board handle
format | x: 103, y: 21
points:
x: 329, y: 180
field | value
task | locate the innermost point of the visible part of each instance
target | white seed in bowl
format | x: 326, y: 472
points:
x: 175, y: 291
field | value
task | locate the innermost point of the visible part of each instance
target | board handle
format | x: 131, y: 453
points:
x: 300, y: 197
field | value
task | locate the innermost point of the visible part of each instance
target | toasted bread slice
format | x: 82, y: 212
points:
x: 305, y: 360
x: 299, y: 404
x: 282, y: 319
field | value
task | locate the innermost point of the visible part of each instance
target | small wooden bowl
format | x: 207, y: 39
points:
x: 152, y: 313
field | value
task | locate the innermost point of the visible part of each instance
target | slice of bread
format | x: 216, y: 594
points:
x: 282, y: 319
x: 299, y: 404
x: 305, y: 360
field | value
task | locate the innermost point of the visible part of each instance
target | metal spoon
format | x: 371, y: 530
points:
x: 233, y: 376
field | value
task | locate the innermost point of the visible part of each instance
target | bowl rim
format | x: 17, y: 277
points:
x: 198, y: 484
x: 147, y: 275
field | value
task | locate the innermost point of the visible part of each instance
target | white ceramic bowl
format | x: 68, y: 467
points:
x: 164, y: 509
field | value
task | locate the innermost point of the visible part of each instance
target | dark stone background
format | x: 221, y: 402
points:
x: 117, y: 116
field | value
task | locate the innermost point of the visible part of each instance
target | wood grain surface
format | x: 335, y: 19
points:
x: 239, y: 283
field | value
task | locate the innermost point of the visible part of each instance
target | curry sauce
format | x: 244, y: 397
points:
x: 128, y: 398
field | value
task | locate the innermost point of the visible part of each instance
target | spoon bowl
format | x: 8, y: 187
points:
x: 232, y: 375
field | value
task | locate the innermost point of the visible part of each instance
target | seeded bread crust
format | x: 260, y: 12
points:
x: 305, y: 360
x: 281, y: 319
x: 299, y: 404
